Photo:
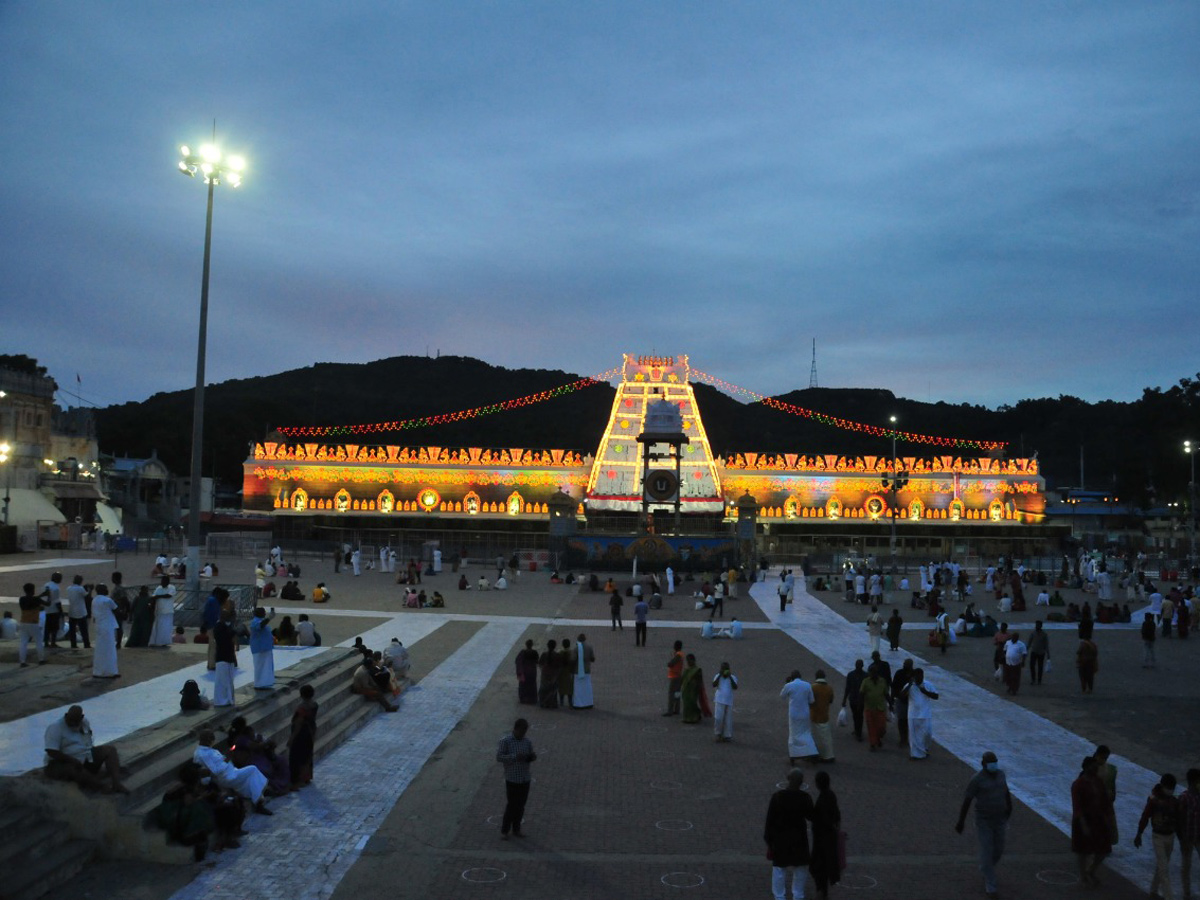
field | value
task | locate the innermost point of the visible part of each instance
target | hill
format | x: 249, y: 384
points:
x: 1134, y: 448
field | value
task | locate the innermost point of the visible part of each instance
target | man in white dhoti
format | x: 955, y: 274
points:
x: 104, y: 614
x: 383, y: 558
x: 582, y: 656
x: 226, y: 658
x: 262, y: 649
x: 164, y: 614
x: 920, y: 714
x: 356, y: 561
x: 724, y: 684
x: 670, y: 581
x: 246, y: 781
x: 799, y: 695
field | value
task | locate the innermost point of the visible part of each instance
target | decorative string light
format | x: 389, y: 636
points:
x: 846, y: 424
x: 446, y: 418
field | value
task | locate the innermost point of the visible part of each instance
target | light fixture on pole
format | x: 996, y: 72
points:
x: 215, y: 169
x: 5, y: 450
x: 1189, y: 448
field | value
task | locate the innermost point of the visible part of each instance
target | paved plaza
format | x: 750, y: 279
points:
x: 625, y: 802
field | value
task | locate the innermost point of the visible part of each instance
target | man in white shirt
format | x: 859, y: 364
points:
x: 1043, y: 598
x: 77, y: 613
x: 52, y: 593
x: 1014, y: 661
x: 396, y: 656
x: 71, y: 756
x: 724, y: 684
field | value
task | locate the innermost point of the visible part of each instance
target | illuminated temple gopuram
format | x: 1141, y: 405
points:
x: 635, y: 469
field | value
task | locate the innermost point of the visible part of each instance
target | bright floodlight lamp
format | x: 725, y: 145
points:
x: 208, y: 163
x: 215, y: 169
x: 4, y: 449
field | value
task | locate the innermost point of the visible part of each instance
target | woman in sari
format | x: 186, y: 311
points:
x: 527, y: 673
x: 142, y: 619
x: 1089, y: 826
x: 303, y: 738
x: 825, y: 866
x: 549, y: 663
x: 693, y: 696
x: 1087, y: 657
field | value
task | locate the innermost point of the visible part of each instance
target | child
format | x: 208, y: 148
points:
x: 178, y: 637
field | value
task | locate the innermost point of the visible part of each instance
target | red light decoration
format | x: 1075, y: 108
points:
x: 846, y: 424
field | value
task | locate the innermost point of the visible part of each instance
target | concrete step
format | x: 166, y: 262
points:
x: 32, y: 878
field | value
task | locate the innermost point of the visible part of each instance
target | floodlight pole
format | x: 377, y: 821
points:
x: 196, y: 487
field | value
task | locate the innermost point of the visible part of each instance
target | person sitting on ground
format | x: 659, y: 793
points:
x: 610, y: 586
x: 570, y: 579
x: 397, y: 658
x: 410, y: 599
x: 247, y: 781
x: 191, y: 813
x: 656, y: 600
x: 501, y: 584
x: 202, y: 636
x: 71, y: 756
x: 482, y: 584
x: 306, y: 633
x: 1056, y: 599
x: 268, y: 589
x: 554, y: 578
x: 706, y: 630
x: 463, y: 584
x: 437, y: 601
x: 1126, y: 614
x: 246, y: 747
x: 207, y: 571
x: 735, y: 629
x: 365, y: 684
x: 985, y: 628
x: 321, y: 593
x: 191, y: 698
x: 593, y: 582
x: 179, y: 637
x: 293, y: 570
x: 291, y: 591
x: 285, y: 632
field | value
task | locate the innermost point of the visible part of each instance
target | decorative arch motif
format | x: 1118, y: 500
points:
x: 916, y: 510
x: 471, y: 503
x: 996, y: 511
x: 957, y: 509
x: 387, y: 501
x: 833, y: 508
x: 341, y: 500
x: 874, y: 506
x: 299, y: 500
x: 429, y: 499
x: 514, y: 504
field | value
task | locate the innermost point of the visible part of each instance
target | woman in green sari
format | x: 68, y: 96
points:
x: 141, y: 619
x: 692, y: 694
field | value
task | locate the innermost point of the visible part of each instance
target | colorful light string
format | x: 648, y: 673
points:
x: 461, y: 415
x: 846, y: 424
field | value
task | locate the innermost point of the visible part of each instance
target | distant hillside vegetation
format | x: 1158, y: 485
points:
x: 1134, y: 448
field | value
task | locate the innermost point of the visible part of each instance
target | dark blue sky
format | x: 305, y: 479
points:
x: 972, y: 202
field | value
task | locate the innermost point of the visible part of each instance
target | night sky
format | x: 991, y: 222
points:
x: 970, y: 202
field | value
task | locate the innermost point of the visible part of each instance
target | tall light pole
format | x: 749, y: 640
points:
x: 209, y: 164
x: 5, y: 450
x: 1189, y: 448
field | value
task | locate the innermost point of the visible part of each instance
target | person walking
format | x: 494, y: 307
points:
x: 1014, y: 663
x: 1161, y: 813
x: 800, y: 698
x: 786, y: 834
x: 825, y: 865
x: 77, y: 613
x: 1089, y: 829
x: 818, y: 713
x: 515, y: 753
x: 875, y: 692
x: 724, y: 684
x: 783, y: 595
x: 527, y: 673
x: 641, y: 610
x: 1039, y: 652
x: 851, y: 696
x: 894, y: 624
x: 1189, y: 828
x: 875, y: 628
x: 614, y: 604
x: 1149, y: 635
x: 583, y: 656
x: 226, y: 659
x: 900, y: 699
x: 164, y: 613
x: 674, y: 677
x: 920, y: 714
x: 993, y: 808
x: 1087, y: 661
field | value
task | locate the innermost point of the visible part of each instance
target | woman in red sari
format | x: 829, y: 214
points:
x: 1090, y: 840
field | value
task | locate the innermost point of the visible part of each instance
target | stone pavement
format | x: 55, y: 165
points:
x: 627, y: 803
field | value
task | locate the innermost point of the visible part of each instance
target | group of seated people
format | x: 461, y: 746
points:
x: 176, y: 568
x: 290, y: 591
x: 501, y: 583
x: 733, y: 630
x: 302, y: 633
x: 381, y: 675
x: 414, y: 599
x: 569, y: 578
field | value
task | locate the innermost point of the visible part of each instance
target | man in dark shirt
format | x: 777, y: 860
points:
x: 901, y: 679
x: 993, y: 808
x: 852, y: 696
x: 516, y: 753
x: 30, y: 630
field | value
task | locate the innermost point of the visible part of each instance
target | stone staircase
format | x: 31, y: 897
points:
x: 50, y: 830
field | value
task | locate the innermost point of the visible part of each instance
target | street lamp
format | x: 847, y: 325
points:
x: 897, y: 482
x: 214, y: 169
x: 1189, y: 448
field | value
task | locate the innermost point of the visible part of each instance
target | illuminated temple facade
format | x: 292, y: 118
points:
x: 377, y: 483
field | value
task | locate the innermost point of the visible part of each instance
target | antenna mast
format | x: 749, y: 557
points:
x: 812, y: 373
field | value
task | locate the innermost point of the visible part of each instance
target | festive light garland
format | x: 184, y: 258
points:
x: 846, y: 424
x: 446, y: 418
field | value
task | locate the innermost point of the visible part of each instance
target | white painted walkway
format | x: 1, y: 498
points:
x: 1040, y: 758
x: 317, y: 834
